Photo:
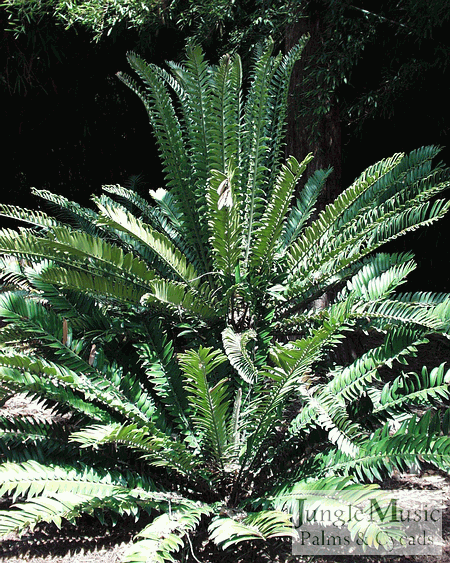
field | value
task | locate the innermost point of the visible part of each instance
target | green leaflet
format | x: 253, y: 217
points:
x: 257, y: 526
x: 235, y: 348
x: 170, y: 255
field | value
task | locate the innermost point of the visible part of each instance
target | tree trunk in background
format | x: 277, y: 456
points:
x: 304, y: 134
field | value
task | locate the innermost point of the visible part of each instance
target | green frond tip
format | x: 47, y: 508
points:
x: 41, y: 509
x: 256, y: 526
x: 165, y: 535
x: 209, y: 403
x: 238, y: 355
x: 37, y: 218
x: 31, y: 479
x: 272, y: 220
x: 56, y: 492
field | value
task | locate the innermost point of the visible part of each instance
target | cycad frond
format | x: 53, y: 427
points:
x: 412, y: 389
x: 255, y: 146
x: 379, y: 276
x: 195, y: 79
x: 226, y: 107
x: 134, y: 202
x: 69, y: 211
x: 169, y: 136
x: 346, y: 249
x: 416, y: 441
x: 261, y: 525
x: 176, y: 298
x: 16, y: 376
x: 406, y: 171
x: 70, y: 369
x: 30, y: 479
x: 157, y: 242
x: 266, y: 237
x: 68, y: 505
x: 157, y: 357
x: 114, y: 288
x: 41, y: 509
x: 79, y: 252
x: 79, y: 309
x: 237, y: 353
x: 209, y: 405
x: 224, y: 222
x: 27, y: 437
x: 165, y: 535
x: 277, y: 123
x: 304, y: 207
x: 392, y: 312
x: 350, y: 382
x: 159, y: 449
x: 34, y: 217
x: 327, y: 218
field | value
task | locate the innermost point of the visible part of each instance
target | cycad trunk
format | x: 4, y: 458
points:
x: 304, y: 134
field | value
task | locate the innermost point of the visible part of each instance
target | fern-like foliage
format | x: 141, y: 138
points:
x: 193, y: 345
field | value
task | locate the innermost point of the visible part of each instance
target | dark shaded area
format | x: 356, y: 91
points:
x: 71, y: 125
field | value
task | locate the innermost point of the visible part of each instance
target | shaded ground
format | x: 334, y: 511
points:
x: 88, y: 542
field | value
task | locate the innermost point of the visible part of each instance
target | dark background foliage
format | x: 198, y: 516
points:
x: 374, y: 82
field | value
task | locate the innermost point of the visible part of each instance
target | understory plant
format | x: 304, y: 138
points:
x: 193, y: 346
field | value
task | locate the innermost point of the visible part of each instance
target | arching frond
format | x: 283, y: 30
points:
x: 30, y: 479
x: 237, y: 353
x: 169, y: 136
x: 34, y: 217
x: 303, y: 209
x: 416, y: 441
x: 160, y: 244
x: 33, y: 437
x: 350, y: 382
x: 165, y: 535
x: 177, y: 298
x: 263, y: 525
x: 156, y: 447
x: 412, y: 389
x: 70, y: 211
x: 327, y: 218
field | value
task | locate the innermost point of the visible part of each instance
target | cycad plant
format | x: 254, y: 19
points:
x: 190, y: 343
